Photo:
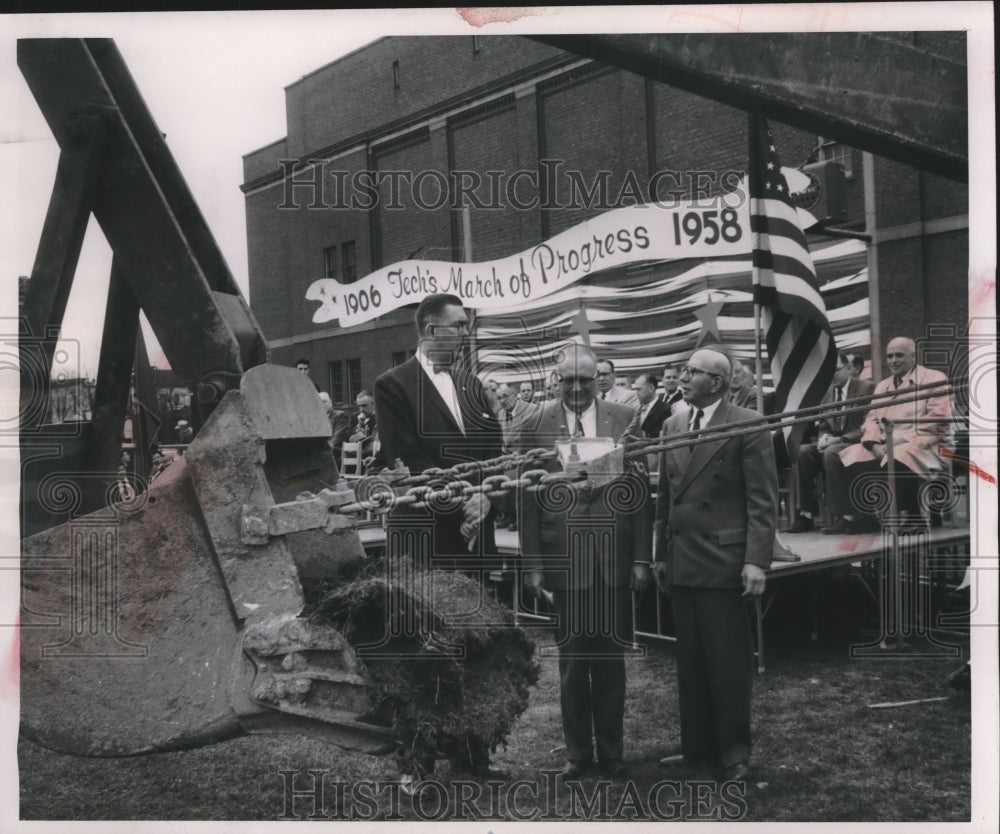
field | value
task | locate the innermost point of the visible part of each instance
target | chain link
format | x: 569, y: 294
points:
x: 457, y: 486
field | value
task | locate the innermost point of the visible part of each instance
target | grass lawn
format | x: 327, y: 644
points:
x: 821, y: 754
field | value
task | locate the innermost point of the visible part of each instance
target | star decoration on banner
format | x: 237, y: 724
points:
x: 709, y: 318
x: 582, y: 325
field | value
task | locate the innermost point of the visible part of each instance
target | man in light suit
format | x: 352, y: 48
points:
x: 515, y: 414
x: 920, y: 431
x: 836, y: 433
x: 588, y: 545
x: 716, y: 505
x: 743, y: 388
x: 608, y: 391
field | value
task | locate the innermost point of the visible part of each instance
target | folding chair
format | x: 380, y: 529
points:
x: 351, y: 465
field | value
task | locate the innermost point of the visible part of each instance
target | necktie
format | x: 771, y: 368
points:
x: 604, y: 395
x: 509, y: 417
x: 839, y: 420
x: 696, y: 423
x: 578, y: 428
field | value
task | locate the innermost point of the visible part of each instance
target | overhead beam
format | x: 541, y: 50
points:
x: 144, y: 207
x: 865, y: 90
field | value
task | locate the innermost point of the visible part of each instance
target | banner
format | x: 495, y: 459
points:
x: 703, y: 228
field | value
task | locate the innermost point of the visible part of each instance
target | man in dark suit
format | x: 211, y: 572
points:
x: 585, y: 545
x: 366, y: 433
x: 433, y: 413
x: 836, y: 433
x: 716, y: 506
x: 652, y: 410
x: 340, y: 425
x: 671, y: 393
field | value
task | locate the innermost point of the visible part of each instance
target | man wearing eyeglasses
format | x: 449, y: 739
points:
x: 433, y: 413
x: 716, y: 505
x: 585, y: 547
x: 608, y: 391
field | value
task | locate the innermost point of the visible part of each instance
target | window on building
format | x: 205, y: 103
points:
x: 349, y: 261
x: 399, y: 357
x: 330, y: 261
x: 395, y: 74
x: 336, y: 372
x: 354, y: 385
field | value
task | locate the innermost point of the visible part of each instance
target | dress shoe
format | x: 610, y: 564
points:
x: 612, y: 768
x: 803, y: 524
x: 738, y: 772
x: 574, y: 770
x: 843, y: 527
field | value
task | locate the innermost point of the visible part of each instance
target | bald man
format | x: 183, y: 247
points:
x: 920, y: 430
x: 716, y: 506
x: 587, y: 546
x: 742, y: 387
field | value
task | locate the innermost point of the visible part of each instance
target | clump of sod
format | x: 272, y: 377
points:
x: 450, y: 671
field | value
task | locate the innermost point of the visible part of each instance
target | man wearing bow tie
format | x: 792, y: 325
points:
x: 433, y: 413
x: 920, y: 430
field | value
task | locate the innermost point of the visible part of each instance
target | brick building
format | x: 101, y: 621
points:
x: 372, y: 170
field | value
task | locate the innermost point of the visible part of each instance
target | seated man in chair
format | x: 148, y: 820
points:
x: 920, y: 430
x: 836, y: 433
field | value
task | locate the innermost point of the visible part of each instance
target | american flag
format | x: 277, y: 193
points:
x: 796, y: 330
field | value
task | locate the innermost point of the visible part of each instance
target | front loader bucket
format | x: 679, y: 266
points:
x: 172, y: 619
x: 127, y: 633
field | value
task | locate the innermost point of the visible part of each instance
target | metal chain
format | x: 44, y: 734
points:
x: 457, y: 488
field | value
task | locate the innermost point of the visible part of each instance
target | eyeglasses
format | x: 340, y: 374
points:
x: 604, y: 373
x: 687, y: 370
x: 570, y: 381
x: 448, y: 329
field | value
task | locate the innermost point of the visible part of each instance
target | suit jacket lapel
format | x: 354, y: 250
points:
x: 428, y: 393
x: 603, y: 421
x: 703, y: 452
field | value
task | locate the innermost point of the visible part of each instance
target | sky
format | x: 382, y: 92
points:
x: 207, y: 87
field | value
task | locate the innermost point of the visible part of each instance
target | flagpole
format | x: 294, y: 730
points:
x: 467, y: 255
x: 755, y: 124
x: 759, y: 369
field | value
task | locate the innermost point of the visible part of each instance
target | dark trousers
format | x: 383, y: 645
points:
x: 841, y: 479
x: 592, y: 633
x: 714, y: 673
x: 810, y: 463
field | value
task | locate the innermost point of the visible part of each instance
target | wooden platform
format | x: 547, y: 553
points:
x: 814, y: 552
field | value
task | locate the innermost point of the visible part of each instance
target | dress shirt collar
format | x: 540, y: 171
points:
x: 706, y: 413
x: 588, y: 417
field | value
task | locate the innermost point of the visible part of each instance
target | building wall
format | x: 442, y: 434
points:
x: 528, y: 107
